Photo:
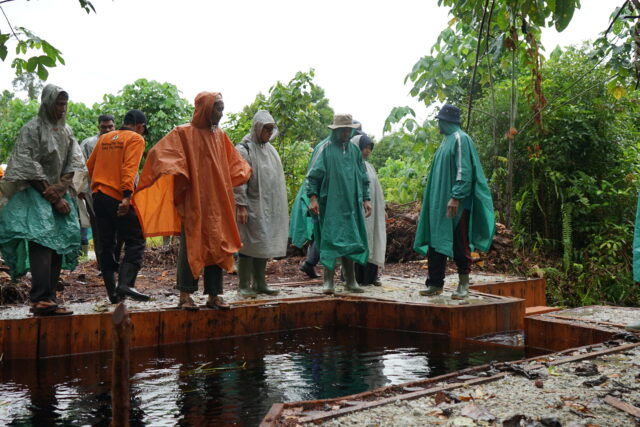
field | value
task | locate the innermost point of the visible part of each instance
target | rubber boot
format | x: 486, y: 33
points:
x: 349, y: 270
x: 109, y: 278
x: 327, y: 284
x: 431, y: 291
x: 127, y: 282
x: 245, y: 266
x: 259, y: 279
x: 633, y: 327
x: 463, y: 287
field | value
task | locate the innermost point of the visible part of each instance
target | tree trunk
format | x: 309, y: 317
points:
x: 120, y: 404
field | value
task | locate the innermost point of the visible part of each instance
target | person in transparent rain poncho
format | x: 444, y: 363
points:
x: 39, y: 226
x: 261, y: 204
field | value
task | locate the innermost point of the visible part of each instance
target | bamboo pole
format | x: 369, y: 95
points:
x: 120, y: 403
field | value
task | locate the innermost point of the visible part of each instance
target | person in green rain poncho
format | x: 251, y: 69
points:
x: 635, y: 327
x: 338, y: 190
x: 39, y: 227
x: 457, y: 210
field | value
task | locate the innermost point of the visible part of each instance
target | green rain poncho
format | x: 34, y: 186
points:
x: 455, y: 173
x: 338, y: 178
x: 45, y: 150
x: 301, y: 224
x: 636, y: 245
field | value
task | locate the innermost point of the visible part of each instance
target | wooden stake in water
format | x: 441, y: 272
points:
x: 120, y: 404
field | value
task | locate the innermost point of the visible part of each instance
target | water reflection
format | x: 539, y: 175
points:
x: 232, y: 380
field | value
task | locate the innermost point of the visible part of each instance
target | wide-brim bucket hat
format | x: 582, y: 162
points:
x: 449, y: 113
x: 343, y: 121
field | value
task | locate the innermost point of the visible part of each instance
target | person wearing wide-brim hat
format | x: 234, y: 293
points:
x: 457, y: 210
x: 338, y: 189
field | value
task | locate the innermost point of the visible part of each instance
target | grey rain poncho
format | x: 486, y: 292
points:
x: 45, y: 150
x: 376, y: 223
x: 264, y: 195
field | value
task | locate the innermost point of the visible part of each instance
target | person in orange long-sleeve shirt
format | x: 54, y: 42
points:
x: 113, y: 166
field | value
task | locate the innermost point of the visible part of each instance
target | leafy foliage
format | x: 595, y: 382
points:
x: 161, y: 102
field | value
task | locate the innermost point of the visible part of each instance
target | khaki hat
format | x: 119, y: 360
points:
x: 343, y: 121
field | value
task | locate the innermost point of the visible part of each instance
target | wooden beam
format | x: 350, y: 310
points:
x: 623, y: 406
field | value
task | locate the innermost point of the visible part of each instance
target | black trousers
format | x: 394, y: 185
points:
x: 126, y: 227
x: 45, y: 266
x: 461, y: 254
x: 366, y: 274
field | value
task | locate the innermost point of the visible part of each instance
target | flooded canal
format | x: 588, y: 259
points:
x: 233, y: 380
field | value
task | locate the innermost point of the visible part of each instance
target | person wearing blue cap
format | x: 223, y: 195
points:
x: 457, y: 210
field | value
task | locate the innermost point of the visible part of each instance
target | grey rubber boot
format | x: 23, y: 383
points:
x: 350, y: 276
x: 245, y: 271
x: 127, y: 281
x: 463, y: 287
x: 259, y: 279
x: 327, y: 285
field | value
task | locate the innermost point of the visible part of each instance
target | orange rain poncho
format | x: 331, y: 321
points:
x: 188, y: 181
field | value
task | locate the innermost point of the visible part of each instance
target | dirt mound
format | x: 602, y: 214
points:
x: 401, y: 230
x: 165, y: 256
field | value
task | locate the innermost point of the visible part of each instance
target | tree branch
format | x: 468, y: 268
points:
x: 7, y: 18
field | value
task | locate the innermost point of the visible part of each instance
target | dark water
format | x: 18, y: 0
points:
x: 233, y: 380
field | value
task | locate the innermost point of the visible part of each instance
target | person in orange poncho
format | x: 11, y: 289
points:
x: 186, y: 189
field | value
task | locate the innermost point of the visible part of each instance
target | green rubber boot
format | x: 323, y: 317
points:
x: 259, y: 281
x: 633, y: 327
x: 327, y: 285
x: 463, y: 287
x: 431, y: 291
x: 245, y: 270
x: 350, y: 276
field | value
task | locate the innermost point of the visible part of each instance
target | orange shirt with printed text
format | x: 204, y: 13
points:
x: 114, y: 163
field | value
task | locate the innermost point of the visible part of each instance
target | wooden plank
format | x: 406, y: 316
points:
x: 407, y: 396
x: 272, y: 416
x: 593, y: 354
x: 20, y: 338
x: 145, y: 328
x: 54, y: 336
x: 623, y: 406
x: 173, y: 326
x: 85, y: 333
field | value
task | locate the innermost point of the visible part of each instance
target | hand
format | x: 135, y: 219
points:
x: 314, y: 207
x: 81, y: 196
x: 452, y: 207
x: 61, y: 206
x: 51, y: 195
x: 124, y: 206
x: 243, y: 215
x: 367, y: 208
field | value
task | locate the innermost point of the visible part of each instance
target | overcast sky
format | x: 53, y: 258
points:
x: 361, y: 50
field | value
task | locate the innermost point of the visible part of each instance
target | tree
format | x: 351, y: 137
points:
x: 162, y: 103
x: 43, y: 54
x: 14, y: 113
x: 29, y: 83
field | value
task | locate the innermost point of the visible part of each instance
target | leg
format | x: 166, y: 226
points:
x: 435, y: 278
x: 327, y: 287
x: 97, y: 247
x: 105, y: 208
x: 130, y: 231
x: 213, y: 287
x: 308, y: 265
x: 186, y: 284
x: 259, y: 279
x: 40, y: 263
x: 245, y: 271
x: 361, y: 275
x: 350, y: 278
x: 462, y: 255
x: 370, y: 274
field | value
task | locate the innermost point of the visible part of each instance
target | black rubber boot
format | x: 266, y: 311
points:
x: 109, y: 278
x: 127, y: 282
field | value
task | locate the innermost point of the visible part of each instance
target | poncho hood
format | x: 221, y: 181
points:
x: 260, y: 119
x: 48, y: 103
x: 203, y: 107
